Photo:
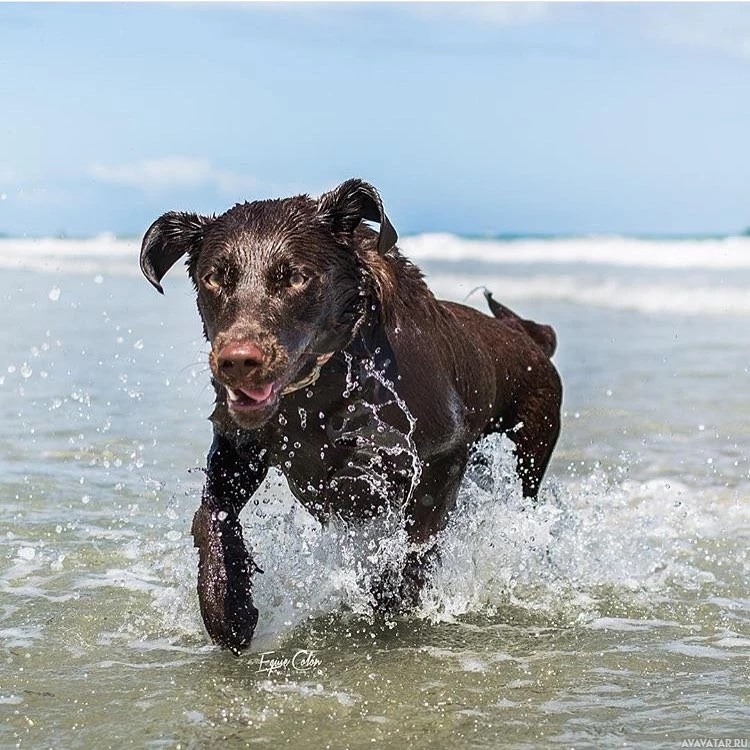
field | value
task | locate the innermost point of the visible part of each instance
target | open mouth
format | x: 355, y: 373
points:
x: 248, y: 400
x: 251, y: 399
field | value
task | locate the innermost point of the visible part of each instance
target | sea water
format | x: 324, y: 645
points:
x: 614, y: 612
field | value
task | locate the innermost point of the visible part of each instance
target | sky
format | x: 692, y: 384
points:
x: 477, y: 119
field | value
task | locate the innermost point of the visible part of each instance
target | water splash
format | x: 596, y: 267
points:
x: 386, y: 439
x: 587, y: 542
x: 586, y: 539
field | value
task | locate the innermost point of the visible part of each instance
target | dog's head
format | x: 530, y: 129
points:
x: 281, y: 285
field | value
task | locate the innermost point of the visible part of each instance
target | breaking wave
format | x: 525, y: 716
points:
x: 678, y: 277
x: 631, y: 252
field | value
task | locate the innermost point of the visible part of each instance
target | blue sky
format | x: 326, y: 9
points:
x: 471, y: 118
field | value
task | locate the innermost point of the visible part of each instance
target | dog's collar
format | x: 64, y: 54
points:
x: 311, y: 378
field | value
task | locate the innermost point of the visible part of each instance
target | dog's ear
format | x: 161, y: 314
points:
x: 351, y: 202
x: 167, y: 240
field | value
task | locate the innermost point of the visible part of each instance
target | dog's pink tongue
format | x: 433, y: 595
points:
x: 258, y: 394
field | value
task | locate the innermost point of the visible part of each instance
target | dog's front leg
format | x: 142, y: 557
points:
x: 225, y: 567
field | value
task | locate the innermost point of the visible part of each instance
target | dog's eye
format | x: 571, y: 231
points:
x: 297, y: 280
x: 212, y: 280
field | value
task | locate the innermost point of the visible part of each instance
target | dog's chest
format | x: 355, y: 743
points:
x: 301, y: 447
x: 313, y: 444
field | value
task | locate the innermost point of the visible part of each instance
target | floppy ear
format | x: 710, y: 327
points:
x: 351, y: 202
x: 167, y: 240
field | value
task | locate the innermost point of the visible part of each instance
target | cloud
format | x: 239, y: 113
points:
x: 718, y: 28
x: 7, y: 176
x: 497, y: 14
x: 328, y: 13
x: 173, y: 172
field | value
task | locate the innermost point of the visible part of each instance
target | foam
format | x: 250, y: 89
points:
x: 577, y: 282
x: 723, y: 253
x: 104, y: 253
x: 106, y: 250
x: 614, y: 294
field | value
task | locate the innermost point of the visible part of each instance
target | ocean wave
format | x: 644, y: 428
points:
x: 583, y: 262
x: 614, y: 294
x: 714, y: 253
x: 104, y: 253
x: 723, y: 253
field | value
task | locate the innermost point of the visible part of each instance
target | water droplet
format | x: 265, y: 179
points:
x: 138, y: 344
x: 54, y: 293
x: 26, y: 370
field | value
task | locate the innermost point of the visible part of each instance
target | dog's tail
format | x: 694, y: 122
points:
x: 543, y: 335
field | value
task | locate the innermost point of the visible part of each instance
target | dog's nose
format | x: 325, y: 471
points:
x: 239, y: 358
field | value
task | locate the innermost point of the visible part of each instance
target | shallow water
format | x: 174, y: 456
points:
x: 614, y: 613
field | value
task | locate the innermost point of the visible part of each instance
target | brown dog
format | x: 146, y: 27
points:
x: 333, y: 361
